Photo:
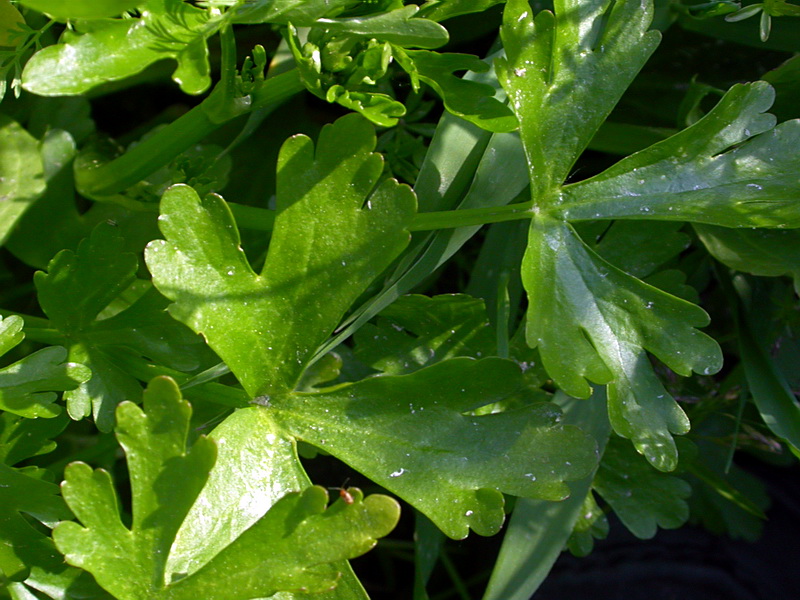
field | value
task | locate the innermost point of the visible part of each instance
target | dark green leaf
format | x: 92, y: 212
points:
x: 22, y: 438
x: 302, y: 13
x: 439, y: 10
x: 643, y: 498
x: 415, y: 437
x: 767, y: 252
x: 21, y: 545
x: 335, y: 231
x: 22, y: 180
x: 27, y: 387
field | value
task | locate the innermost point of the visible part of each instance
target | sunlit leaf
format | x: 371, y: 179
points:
x: 82, y: 9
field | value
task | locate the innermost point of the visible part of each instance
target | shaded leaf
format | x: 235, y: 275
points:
x: 302, y: 13
x: 10, y: 25
x: 103, y: 50
x: 439, y: 10
x: 538, y: 529
x: 28, y: 386
x: 426, y: 447
x: 22, y: 181
x: 22, y: 438
x: 21, y: 545
x: 465, y: 98
x: 416, y: 331
x: 642, y: 498
x: 335, y: 231
x: 766, y: 252
x: 74, y: 291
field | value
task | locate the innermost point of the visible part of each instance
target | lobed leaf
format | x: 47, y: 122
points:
x: 302, y: 13
x: 468, y: 99
x: 73, y: 293
x: 564, y: 72
x: 336, y: 229
x: 417, y: 438
x: 643, y: 498
x: 288, y: 549
x: 732, y: 168
x: 103, y: 50
x: 21, y: 544
x: 613, y: 318
x: 439, y: 10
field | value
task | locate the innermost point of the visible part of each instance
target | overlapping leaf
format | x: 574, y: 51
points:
x: 102, y: 50
x: 336, y: 229
x: 642, y: 498
x: 590, y: 320
x: 286, y: 550
x: 564, y: 72
x: 74, y: 291
x: 22, y: 545
x: 27, y: 387
x: 415, y: 437
x: 22, y: 180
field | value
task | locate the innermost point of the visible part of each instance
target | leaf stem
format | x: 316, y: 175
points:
x: 450, y: 219
x: 189, y: 129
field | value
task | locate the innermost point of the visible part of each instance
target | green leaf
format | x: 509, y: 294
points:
x: 643, y: 498
x: 302, y: 13
x: 564, y: 73
x: 774, y: 398
x: 400, y: 27
x: 655, y: 243
x: 165, y: 480
x: 82, y: 9
x: 99, y: 51
x: 286, y: 550
x: 74, y: 291
x: 22, y: 438
x: 417, y: 331
x: 538, y: 530
x: 22, y: 181
x: 613, y: 318
x: 731, y: 168
x: 439, y: 10
x: 416, y: 438
x: 10, y: 22
x: 766, y: 252
x: 22, y: 545
x: 27, y: 387
x: 336, y: 229
x: 465, y: 98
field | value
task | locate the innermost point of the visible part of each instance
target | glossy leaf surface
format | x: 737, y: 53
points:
x: 398, y: 26
x: 335, y: 231
x: 281, y: 552
x: 105, y: 50
x: 425, y: 446
x: 564, y: 72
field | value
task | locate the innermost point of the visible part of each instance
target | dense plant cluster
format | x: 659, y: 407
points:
x: 511, y: 266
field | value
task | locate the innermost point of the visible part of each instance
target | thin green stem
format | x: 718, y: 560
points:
x: 449, y: 219
x: 189, y: 129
